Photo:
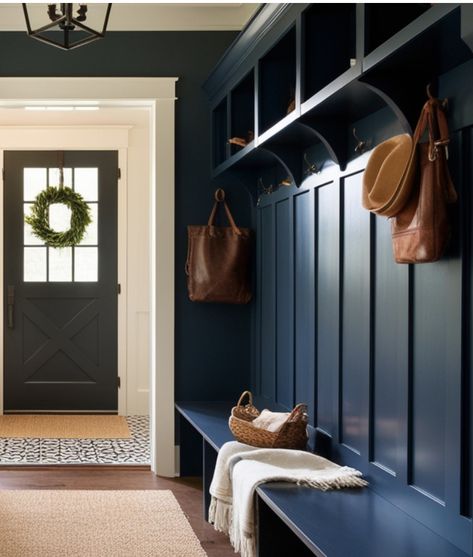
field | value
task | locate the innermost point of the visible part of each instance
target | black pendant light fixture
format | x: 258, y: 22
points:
x: 66, y: 28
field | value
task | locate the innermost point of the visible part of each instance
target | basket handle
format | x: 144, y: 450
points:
x: 299, y: 409
x: 250, y: 398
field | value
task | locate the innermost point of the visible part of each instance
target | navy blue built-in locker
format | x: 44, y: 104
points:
x: 379, y: 351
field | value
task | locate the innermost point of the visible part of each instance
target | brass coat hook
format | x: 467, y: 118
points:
x: 312, y: 168
x: 361, y: 145
x: 264, y: 190
x: 429, y: 91
x: 286, y: 182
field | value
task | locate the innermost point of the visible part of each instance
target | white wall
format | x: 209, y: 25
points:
x: 136, y: 245
x: 138, y: 271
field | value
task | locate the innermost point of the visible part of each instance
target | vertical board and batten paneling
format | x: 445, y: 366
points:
x: 436, y: 364
x: 355, y: 341
x: 267, y: 311
x: 284, y: 305
x: 374, y: 347
x: 467, y: 383
x: 304, y: 302
x: 328, y: 306
x: 391, y: 357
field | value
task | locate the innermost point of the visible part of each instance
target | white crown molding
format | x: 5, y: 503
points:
x: 143, y: 17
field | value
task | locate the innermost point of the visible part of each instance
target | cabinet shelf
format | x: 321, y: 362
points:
x: 277, y: 82
x: 342, y: 66
x: 327, y: 28
x: 432, y: 40
x: 400, y: 69
x: 277, y: 128
x: 382, y: 21
x: 242, y: 110
x: 233, y: 159
x: 219, y: 133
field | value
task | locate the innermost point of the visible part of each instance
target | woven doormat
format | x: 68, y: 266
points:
x: 48, y: 426
x: 95, y: 524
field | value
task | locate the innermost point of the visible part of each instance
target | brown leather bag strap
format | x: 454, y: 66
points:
x: 422, y: 123
x: 439, y: 131
x: 212, y: 215
x: 220, y: 198
x: 439, y: 137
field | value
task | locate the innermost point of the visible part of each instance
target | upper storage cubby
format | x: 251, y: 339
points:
x: 220, y: 133
x: 277, y: 82
x: 382, y: 21
x: 243, y: 112
x: 303, y: 76
x: 328, y: 44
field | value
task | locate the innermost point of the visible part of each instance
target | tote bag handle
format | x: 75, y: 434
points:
x: 220, y: 198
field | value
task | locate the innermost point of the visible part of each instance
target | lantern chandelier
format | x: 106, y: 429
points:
x: 66, y: 28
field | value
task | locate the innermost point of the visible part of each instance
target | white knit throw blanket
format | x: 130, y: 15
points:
x: 240, y: 469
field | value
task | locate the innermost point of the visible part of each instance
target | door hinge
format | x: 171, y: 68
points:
x: 119, y: 288
x: 119, y: 382
x: 119, y: 173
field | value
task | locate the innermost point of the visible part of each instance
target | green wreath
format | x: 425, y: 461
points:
x: 39, y: 217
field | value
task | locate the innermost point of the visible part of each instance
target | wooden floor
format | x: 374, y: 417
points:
x: 188, y: 492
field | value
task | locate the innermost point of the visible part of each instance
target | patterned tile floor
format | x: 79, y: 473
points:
x: 81, y: 451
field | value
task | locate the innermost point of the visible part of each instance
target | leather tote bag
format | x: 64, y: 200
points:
x: 218, y: 260
x: 420, y: 230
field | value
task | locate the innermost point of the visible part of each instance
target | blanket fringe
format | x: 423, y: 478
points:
x: 352, y: 479
x: 245, y: 545
x: 220, y: 515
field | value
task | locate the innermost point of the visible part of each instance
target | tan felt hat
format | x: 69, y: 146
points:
x: 389, y: 176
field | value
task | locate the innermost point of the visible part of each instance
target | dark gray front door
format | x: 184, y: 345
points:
x: 60, y: 304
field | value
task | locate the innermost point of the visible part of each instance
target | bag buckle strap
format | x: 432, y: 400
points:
x: 434, y: 149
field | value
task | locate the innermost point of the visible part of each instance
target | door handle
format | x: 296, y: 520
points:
x: 10, y: 306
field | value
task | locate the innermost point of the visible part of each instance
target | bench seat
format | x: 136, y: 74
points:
x: 302, y: 521
x: 210, y: 419
x: 345, y: 523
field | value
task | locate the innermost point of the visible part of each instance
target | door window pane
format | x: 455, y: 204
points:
x: 85, y: 264
x: 34, y: 181
x: 30, y: 239
x: 54, y: 177
x: 34, y: 264
x: 86, y: 183
x: 78, y: 264
x: 59, y: 217
x: 91, y: 232
x: 60, y: 264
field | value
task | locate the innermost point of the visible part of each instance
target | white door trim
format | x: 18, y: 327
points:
x: 159, y: 95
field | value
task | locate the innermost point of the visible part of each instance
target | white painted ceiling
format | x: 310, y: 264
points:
x: 142, y: 17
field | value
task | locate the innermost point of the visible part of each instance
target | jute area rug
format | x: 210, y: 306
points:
x: 94, y: 524
x: 48, y: 426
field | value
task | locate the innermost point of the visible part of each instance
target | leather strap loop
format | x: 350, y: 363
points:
x: 219, y: 195
x: 220, y: 198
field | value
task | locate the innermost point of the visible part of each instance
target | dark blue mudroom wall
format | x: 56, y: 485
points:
x: 212, y: 342
x: 381, y: 352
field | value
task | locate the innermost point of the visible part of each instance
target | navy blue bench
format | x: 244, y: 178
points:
x: 301, y: 521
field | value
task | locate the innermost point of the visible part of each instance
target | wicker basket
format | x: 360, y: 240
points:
x: 291, y: 435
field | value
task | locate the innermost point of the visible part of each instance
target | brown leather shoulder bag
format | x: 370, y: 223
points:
x: 420, y: 230
x: 218, y: 260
